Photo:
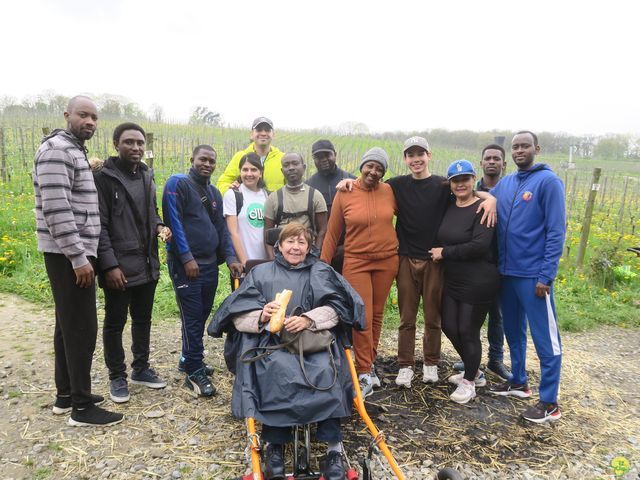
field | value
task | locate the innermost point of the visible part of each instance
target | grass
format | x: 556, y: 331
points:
x: 584, y: 298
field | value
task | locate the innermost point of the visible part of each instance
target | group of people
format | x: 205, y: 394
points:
x: 331, y: 240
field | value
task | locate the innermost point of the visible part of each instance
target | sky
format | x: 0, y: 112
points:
x: 561, y: 66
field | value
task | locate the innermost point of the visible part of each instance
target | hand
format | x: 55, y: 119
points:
x: 235, y: 185
x: 268, y: 310
x: 84, y: 276
x: 236, y: 269
x: 115, y: 279
x: 490, y: 215
x: 436, y: 254
x: 344, y: 185
x: 191, y: 269
x: 542, y: 290
x: 296, y: 324
x: 164, y: 233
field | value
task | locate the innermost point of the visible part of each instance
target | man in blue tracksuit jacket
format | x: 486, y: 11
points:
x: 192, y: 209
x: 531, y: 231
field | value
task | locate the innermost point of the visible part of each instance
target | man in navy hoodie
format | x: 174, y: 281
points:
x: 192, y: 209
x: 531, y: 231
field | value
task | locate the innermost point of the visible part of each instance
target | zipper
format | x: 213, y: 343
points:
x: 513, y: 201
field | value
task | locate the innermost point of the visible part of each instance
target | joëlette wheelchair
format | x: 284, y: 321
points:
x: 302, y: 461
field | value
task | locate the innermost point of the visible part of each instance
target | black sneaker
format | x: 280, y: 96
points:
x: 119, y: 390
x: 500, y: 369
x: 200, y: 384
x: 333, y: 468
x: 511, y: 389
x: 62, y: 405
x: 94, y: 417
x: 542, y: 412
x: 147, y: 377
x: 274, y: 462
x: 208, y: 370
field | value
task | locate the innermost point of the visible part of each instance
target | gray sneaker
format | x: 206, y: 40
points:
x: 366, y: 385
x: 119, y: 390
x: 147, y: 377
x: 375, y: 381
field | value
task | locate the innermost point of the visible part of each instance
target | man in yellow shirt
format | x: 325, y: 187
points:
x: 262, y: 134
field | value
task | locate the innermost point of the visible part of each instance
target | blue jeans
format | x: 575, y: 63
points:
x: 195, y: 300
x: 495, y: 334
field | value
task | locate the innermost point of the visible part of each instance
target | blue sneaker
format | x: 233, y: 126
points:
x: 199, y: 383
x: 119, y: 390
x: 147, y: 377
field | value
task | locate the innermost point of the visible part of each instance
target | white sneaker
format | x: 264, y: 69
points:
x: 405, y: 375
x: 464, y: 392
x: 429, y: 373
x: 366, y: 384
x: 480, y: 379
x: 375, y: 381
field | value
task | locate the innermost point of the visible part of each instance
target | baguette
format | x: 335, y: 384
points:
x: 277, y: 319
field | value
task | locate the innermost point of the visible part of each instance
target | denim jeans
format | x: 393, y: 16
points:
x: 495, y: 333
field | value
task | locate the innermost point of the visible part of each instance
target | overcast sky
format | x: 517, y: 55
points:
x: 393, y: 65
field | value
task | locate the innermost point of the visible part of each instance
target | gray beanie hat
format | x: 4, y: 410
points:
x: 375, y: 154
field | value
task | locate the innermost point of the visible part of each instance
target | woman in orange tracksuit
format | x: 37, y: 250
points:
x: 370, y: 253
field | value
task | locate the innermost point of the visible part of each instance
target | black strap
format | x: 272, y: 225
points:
x: 239, y: 201
x: 269, y: 349
x: 204, y: 198
x: 280, y: 214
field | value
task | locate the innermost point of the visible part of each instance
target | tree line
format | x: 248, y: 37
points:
x: 613, y: 146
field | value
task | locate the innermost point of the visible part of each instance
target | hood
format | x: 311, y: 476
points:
x: 312, y: 257
x: 536, y: 167
x: 110, y: 164
x: 65, y: 134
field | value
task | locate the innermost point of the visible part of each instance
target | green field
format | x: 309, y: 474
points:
x: 606, y: 290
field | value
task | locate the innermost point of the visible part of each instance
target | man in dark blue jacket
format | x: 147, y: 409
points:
x: 192, y: 209
x: 531, y: 231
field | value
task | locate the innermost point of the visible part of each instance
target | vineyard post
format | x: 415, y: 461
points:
x: 23, y: 157
x: 604, y: 192
x: 150, y: 149
x: 624, y: 198
x: 586, y: 224
x: 3, y: 157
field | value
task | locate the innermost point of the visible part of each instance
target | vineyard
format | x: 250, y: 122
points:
x: 604, y: 289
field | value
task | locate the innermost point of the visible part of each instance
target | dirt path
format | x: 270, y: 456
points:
x: 170, y: 434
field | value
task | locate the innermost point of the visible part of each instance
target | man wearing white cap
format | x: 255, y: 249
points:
x: 262, y: 134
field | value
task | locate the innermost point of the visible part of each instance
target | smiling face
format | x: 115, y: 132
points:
x: 325, y: 161
x: 293, y: 168
x: 294, y: 249
x: 204, y: 162
x: 82, y: 118
x: 371, y: 173
x: 492, y: 163
x: 523, y: 150
x: 262, y: 135
x: 130, y: 146
x: 250, y: 175
x: 417, y: 159
x: 462, y: 187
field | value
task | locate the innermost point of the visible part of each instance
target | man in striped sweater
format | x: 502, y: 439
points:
x: 68, y: 230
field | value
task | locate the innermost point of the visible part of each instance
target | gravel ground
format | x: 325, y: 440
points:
x: 168, y: 434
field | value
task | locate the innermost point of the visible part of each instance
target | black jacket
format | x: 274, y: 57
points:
x: 128, y: 236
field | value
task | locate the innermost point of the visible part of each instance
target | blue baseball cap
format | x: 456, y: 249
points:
x: 460, y: 167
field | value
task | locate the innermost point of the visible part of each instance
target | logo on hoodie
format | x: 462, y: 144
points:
x: 527, y: 196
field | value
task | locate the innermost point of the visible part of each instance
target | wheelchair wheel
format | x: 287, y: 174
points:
x: 448, y: 474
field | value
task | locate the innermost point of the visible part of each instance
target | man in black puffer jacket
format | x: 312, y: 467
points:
x: 128, y: 261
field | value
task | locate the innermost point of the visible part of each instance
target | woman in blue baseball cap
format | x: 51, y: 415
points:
x: 471, y: 279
